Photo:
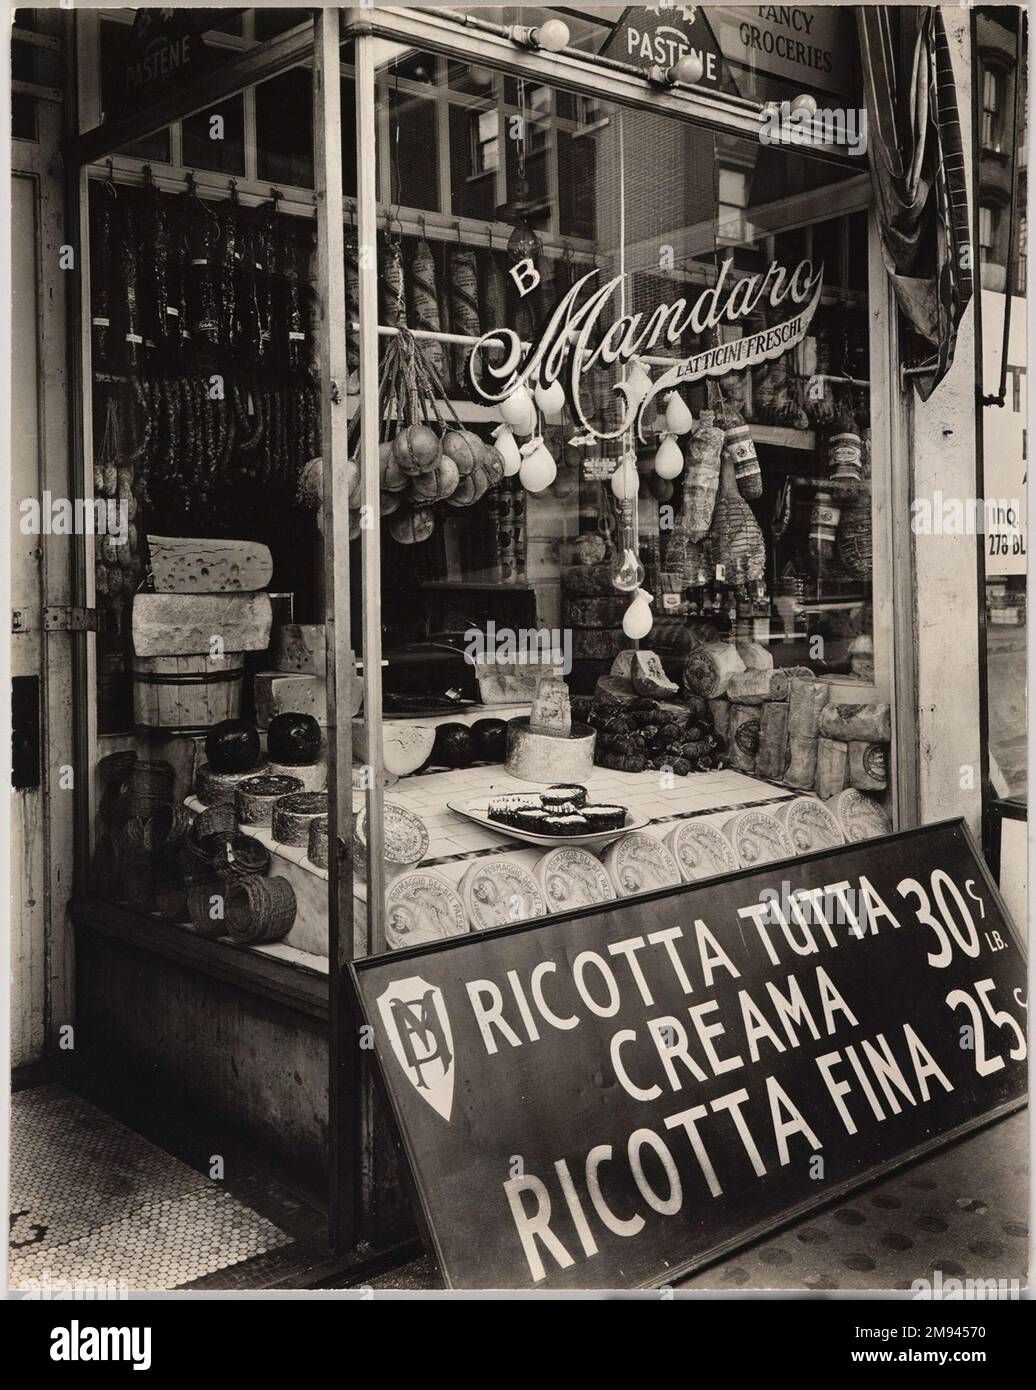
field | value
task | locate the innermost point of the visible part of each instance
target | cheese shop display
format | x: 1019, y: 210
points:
x: 623, y: 574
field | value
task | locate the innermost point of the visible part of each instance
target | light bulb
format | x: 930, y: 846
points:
x: 805, y: 102
x: 508, y: 450
x: 627, y: 573
x: 638, y: 620
x: 518, y: 410
x: 550, y: 399
x: 678, y: 417
x: 625, y: 480
x: 669, y: 458
x: 687, y: 69
x: 538, y: 469
x: 552, y: 36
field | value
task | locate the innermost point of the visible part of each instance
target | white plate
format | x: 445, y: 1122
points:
x: 478, y: 811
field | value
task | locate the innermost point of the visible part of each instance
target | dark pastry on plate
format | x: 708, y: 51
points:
x: 604, y: 817
x: 567, y: 792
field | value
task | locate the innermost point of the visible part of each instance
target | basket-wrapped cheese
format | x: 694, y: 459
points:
x: 256, y: 797
x: 293, y: 814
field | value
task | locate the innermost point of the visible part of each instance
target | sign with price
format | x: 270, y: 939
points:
x: 613, y: 1097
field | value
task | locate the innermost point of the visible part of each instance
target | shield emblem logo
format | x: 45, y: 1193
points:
x: 418, y: 1026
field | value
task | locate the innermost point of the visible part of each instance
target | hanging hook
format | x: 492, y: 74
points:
x: 149, y: 178
x: 109, y: 182
x: 232, y: 185
x: 421, y: 224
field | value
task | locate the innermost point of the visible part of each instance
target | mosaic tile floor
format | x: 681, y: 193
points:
x: 92, y: 1201
x: 963, y: 1212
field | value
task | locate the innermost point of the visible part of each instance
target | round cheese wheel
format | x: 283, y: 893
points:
x: 404, y: 839
x: 317, y: 851
x: 638, y: 863
x: 255, y: 798
x: 421, y: 907
x: 572, y: 877
x: 861, y: 817
x: 810, y: 824
x: 500, y: 891
x: 293, y: 814
x: 213, y: 787
x: 313, y: 777
x: 701, y: 850
x: 758, y: 838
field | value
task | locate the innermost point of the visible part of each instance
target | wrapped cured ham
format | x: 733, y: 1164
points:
x: 735, y: 540
x: 738, y: 446
x: 701, y: 479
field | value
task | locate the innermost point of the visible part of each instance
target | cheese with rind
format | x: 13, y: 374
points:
x: 279, y: 693
x: 191, y: 624
x: 185, y: 565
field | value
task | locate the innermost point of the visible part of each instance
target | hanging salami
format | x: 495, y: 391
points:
x: 425, y: 298
x: 464, y: 317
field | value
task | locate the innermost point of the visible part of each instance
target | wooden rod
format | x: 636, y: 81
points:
x: 343, y: 1138
x: 370, y: 535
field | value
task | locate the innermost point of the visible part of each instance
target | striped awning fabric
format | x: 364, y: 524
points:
x: 917, y: 167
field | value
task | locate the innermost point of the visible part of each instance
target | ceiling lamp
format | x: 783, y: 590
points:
x: 552, y: 36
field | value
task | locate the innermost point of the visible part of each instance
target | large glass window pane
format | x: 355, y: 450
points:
x: 687, y: 486
x: 215, y: 139
x: 284, y: 128
x: 206, y: 461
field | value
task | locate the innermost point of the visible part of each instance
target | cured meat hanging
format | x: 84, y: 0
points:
x: 425, y: 298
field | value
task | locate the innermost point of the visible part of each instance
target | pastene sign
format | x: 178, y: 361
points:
x: 613, y: 1097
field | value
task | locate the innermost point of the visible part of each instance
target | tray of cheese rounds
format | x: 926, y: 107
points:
x: 562, y: 814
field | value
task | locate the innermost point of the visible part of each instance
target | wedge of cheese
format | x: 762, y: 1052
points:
x: 405, y: 745
x: 299, y: 647
x: 183, y: 565
x: 279, y: 693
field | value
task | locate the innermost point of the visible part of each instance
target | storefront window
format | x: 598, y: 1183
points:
x: 583, y: 192
x: 207, y: 485
x: 672, y: 473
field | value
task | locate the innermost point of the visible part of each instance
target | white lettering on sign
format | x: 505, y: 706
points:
x: 564, y: 347
x: 159, y: 63
x: 666, y: 46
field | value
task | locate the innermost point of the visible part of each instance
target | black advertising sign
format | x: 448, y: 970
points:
x: 163, y: 47
x: 658, y: 38
x: 614, y: 1097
